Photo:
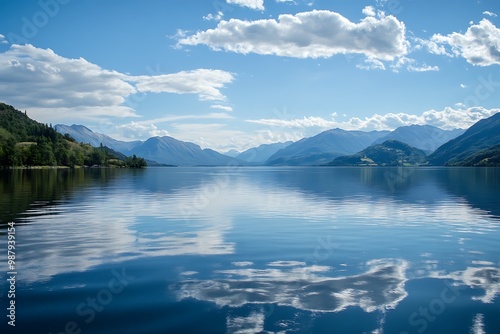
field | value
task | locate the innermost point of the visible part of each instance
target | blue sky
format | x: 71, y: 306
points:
x: 232, y: 74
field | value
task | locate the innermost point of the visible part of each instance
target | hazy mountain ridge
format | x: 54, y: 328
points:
x: 263, y: 152
x: 424, y: 137
x: 84, y: 135
x: 164, y: 150
x: 334, y: 142
x: 171, y: 151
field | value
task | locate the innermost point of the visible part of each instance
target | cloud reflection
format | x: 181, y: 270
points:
x: 483, y: 278
x: 146, y: 217
x: 381, y: 287
x: 487, y: 278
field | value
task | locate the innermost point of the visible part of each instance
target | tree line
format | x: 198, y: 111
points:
x: 25, y: 142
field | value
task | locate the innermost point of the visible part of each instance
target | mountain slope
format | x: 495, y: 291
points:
x: 424, y: 137
x: 83, y: 134
x: 335, y: 142
x: 25, y: 142
x: 389, y: 153
x: 171, y: 151
x: 488, y: 157
x: 484, y: 134
x: 261, y: 153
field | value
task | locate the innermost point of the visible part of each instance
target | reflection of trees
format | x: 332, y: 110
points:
x: 20, y: 189
x: 479, y: 186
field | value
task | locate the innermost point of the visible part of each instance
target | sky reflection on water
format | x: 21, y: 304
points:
x: 313, y: 239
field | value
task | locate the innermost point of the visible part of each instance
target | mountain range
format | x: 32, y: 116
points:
x: 171, y: 151
x: 324, y: 146
x: 474, y: 146
x: 163, y: 150
x: 262, y: 153
x: 424, y: 137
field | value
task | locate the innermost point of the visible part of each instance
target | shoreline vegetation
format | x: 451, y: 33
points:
x: 26, y: 143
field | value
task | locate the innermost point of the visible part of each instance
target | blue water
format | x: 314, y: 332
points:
x: 253, y: 250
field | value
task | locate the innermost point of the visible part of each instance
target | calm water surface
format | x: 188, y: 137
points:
x: 251, y: 250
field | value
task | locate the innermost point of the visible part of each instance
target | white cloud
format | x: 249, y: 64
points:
x: 479, y: 45
x: 432, y: 46
x: 208, y: 135
x: 463, y: 86
x: 310, y: 121
x: 448, y: 118
x: 313, y: 34
x: 489, y: 13
x: 286, y: 1
x: 253, y: 4
x: 135, y: 130
x: 57, y: 82
x: 206, y: 83
x: 85, y: 114
x: 423, y: 68
x: 61, y: 87
x: 3, y: 40
x: 411, y: 65
x: 214, y: 17
x: 222, y: 107
x: 371, y: 64
x: 369, y: 11
x: 148, y: 128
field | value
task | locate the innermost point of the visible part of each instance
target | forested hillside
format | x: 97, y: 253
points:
x: 25, y: 142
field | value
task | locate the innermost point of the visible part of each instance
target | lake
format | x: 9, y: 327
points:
x: 250, y: 250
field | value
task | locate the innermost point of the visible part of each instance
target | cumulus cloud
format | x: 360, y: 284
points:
x: 47, y: 83
x: 252, y: 4
x: 313, y: 34
x: 369, y: 11
x: 479, y: 45
x: 448, y: 118
x: 3, y: 40
x: 57, y: 82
